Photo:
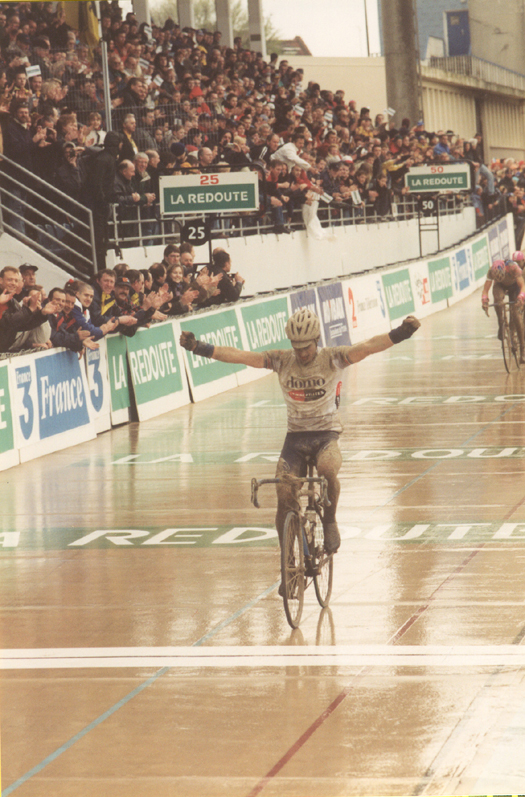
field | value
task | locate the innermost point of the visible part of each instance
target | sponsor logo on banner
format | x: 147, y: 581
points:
x: 219, y: 329
x: 27, y: 399
x: 351, y: 304
x: 494, y: 245
x: 381, y: 299
x: 398, y: 292
x: 118, y: 372
x: 304, y: 300
x: 462, y: 269
x: 333, y: 315
x: 265, y: 324
x: 504, y: 239
x: 440, y: 275
x: 154, y: 363
x: 480, y: 257
x: 61, y: 396
x: 95, y: 381
x: 7, y: 442
x: 421, y: 285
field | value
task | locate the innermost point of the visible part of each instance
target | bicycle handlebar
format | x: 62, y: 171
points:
x: 256, y: 483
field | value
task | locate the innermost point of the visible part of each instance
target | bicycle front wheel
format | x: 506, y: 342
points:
x: 292, y: 569
x: 509, y: 344
x: 323, y: 565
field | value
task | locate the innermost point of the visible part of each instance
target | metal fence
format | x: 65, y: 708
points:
x: 471, y: 66
x: 47, y: 220
x: 140, y: 231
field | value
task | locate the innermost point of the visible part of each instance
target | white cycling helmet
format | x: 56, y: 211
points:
x: 303, y: 328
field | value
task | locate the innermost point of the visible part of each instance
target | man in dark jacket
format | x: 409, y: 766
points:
x: 22, y: 326
x: 99, y: 192
x: 230, y: 286
x: 20, y: 146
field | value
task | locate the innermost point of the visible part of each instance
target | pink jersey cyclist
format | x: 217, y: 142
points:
x: 506, y: 277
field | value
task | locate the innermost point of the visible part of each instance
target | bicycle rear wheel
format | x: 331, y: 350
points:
x: 323, y: 565
x: 292, y: 569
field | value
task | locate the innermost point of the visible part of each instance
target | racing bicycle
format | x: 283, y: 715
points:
x: 303, y: 557
x: 509, y: 336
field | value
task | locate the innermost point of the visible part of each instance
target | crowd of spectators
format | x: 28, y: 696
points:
x: 77, y: 314
x: 182, y: 102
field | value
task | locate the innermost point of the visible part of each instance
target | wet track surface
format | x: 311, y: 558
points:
x: 145, y: 648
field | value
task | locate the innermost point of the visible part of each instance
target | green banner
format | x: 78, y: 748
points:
x: 154, y: 363
x: 220, y: 329
x: 265, y: 324
x: 442, y: 177
x: 440, y: 276
x: 481, y: 258
x: 6, y: 419
x: 398, y: 292
x: 118, y: 372
x: 210, y: 198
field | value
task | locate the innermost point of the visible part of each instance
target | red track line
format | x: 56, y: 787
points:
x: 509, y: 514
x: 346, y: 691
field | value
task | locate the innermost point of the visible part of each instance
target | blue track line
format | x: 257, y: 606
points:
x: 67, y: 745
x: 151, y: 680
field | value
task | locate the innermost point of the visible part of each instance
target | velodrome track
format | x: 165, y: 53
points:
x: 145, y: 650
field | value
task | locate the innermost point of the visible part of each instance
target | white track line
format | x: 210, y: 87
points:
x: 265, y: 656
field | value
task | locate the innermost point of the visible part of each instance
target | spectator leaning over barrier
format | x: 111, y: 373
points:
x: 130, y: 317
x: 103, y: 296
x: 22, y: 325
x: 65, y: 332
x: 82, y: 315
x: 183, y: 296
x: 230, y: 285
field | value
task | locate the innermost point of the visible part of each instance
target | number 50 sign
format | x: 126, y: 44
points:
x: 209, y: 193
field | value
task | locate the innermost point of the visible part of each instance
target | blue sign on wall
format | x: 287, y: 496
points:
x: 306, y: 298
x: 333, y: 315
x: 62, y: 400
x: 462, y: 271
x: 457, y: 32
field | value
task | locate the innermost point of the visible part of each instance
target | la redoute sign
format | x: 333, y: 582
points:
x: 438, y: 177
x: 209, y: 193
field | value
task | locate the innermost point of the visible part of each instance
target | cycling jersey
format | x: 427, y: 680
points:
x: 311, y: 392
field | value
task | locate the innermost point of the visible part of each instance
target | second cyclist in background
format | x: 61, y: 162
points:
x: 506, y: 277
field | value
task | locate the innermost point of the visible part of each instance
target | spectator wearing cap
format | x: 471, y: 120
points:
x: 28, y: 274
x: 40, y: 56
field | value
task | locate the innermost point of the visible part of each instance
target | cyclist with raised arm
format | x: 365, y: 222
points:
x: 310, y: 380
x: 506, y: 277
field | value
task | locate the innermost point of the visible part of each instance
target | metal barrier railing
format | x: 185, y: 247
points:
x: 472, y: 66
x: 140, y: 231
x: 46, y: 219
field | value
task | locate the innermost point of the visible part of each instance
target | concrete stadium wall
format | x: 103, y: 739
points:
x: 269, y: 262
